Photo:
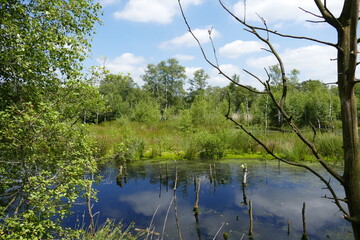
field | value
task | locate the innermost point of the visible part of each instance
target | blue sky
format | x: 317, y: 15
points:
x: 135, y: 33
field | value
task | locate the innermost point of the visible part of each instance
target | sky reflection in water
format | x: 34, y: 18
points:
x: 277, y: 194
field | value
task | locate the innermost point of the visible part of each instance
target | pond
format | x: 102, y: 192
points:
x: 144, y: 194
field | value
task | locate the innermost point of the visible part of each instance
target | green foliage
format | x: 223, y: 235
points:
x: 164, y: 82
x: 129, y: 149
x: 42, y: 45
x: 146, y: 111
x: 42, y: 170
x: 44, y: 154
x: 330, y: 145
x: 197, y: 84
x: 112, y: 231
x: 211, y: 145
x: 120, y: 92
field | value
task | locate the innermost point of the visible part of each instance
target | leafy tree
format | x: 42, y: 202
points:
x: 44, y: 154
x: 121, y: 94
x: 241, y: 99
x: 165, y: 82
x: 197, y: 84
x: 276, y: 78
x: 43, y: 163
x: 42, y: 45
x: 146, y: 110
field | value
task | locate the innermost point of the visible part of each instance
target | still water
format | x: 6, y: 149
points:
x: 144, y: 194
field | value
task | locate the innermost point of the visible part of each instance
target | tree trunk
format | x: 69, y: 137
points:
x: 347, y: 61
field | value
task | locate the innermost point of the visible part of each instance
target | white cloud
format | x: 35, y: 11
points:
x: 147, y: 202
x: 184, y: 57
x: 188, y: 40
x: 158, y: 11
x: 218, y: 80
x: 280, y: 10
x: 126, y: 63
x: 313, y: 62
x: 105, y: 3
x: 189, y: 71
x: 237, y: 48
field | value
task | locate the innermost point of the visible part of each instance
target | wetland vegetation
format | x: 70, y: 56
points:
x: 85, y: 154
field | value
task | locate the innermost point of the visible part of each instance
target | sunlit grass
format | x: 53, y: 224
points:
x: 165, y: 140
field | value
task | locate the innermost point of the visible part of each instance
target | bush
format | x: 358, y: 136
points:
x: 129, y: 149
x: 212, y: 145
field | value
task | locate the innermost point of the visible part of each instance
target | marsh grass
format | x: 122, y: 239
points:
x: 112, y: 231
x: 133, y: 141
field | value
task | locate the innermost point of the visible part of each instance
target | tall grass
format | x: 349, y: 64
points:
x: 132, y: 141
x: 111, y: 231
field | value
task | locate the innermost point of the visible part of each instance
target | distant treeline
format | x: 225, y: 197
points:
x: 163, y: 96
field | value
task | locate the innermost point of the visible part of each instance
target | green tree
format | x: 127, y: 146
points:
x: 121, y: 94
x: 165, y: 82
x: 197, y: 84
x: 241, y: 99
x: 42, y: 45
x: 44, y: 154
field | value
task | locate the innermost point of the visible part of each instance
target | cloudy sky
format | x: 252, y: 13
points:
x: 135, y: 33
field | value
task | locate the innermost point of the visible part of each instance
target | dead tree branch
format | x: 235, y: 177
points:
x: 208, y: 60
x: 279, y: 104
x: 275, y: 32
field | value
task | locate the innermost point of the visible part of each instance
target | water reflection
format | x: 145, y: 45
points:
x: 140, y: 192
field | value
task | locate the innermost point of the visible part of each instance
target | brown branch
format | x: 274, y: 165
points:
x: 213, y: 46
x: 339, y: 199
x: 207, y: 59
x: 279, y: 105
x: 307, y: 142
x: 311, y: 13
x: 275, y: 32
x: 270, y: 152
x: 314, y: 131
x: 327, y: 15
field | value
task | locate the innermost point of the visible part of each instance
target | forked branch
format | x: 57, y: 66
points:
x: 215, y: 66
x: 278, y: 104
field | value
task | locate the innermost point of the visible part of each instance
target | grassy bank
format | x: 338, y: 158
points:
x: 126, y: 140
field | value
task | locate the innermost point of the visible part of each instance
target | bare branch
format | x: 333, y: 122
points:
x: 213, y: 46
x: 207, y: 59
x: 275, y: 32
x: 311, y: 13
x: 270, y: 152
x: 266, y: 27
x: 254, y: 76
x: 307, y: 142
x: 327, y: 15
x: 312, y: 21
x: 280, y: 104
x: 339, y: 199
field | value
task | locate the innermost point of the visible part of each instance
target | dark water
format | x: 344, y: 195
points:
x: 145, y: 192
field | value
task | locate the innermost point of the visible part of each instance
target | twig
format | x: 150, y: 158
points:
x: 166, y: 217
x: 213, y: 46
x: 151, y: 222
x: 311, y: 13
x: 222, y: 225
